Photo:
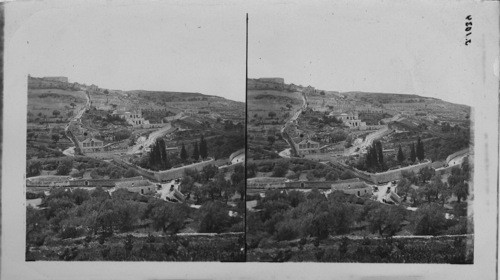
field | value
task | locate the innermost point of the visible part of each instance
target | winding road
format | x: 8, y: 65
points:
x: 71, y: 150
x: 287, y: 153
x: 140, y: 146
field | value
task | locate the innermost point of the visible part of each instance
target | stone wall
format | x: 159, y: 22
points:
x: 266, y: 183
x: 79, y: 182
x: 393, y: 175
x: 456, y: 154
x: 175, y: 173
x: 336, y: 185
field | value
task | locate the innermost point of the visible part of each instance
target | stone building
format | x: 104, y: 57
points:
x: 91, y: 145
x: 133, y: 118
x: 139, y: 186
x: 350, y: 119
x: 307, y: 146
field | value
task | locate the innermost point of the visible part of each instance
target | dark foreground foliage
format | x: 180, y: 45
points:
x: 225, y: 248
x: 436, y: 250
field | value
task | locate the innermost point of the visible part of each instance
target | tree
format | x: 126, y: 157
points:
x: 79, y: 196
x: 401, y: 156
x: 380, y: 153
x: 73, y: 105
x: 196, y: 152
x: 289, y: 106
x: 420, y: 150
x: 209, y: 171
x: 403, y: 188
x: 168, y: 216
x: 413, y: 154
x: 64, y: 167
x: 386, y: 219
x: 130, y: 173
x: 33, y: 168
x: 332, y: 176
x: 203, y: 148
x: 271, y: 139
x: 251, y: 170
x: 426, y: 174
x: 158, y: 156
x: 238, y: 175
x: 430, y: 220
x: 340, y: 216
x: 56, y: 113
x: 128, y: 244
x: 55, y: 137
x: 184, y: 154
x: 213, y: 217
x: 461, y: 190
x: 272, y: 114
x: 280, y: 169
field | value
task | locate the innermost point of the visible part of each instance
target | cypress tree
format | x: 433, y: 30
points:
x: 380, y: 153
x: 413, y: 155
x: 401, y: 156
x: 184, y: 154
x: 164, y: 163
x: 203, y: 148
x: 196, y: 152
x: 420, y: 150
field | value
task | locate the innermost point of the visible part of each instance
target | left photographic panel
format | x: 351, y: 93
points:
x: 135, y: 130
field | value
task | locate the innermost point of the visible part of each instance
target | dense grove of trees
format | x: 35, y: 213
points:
x: 314, y: 218
x: 374, y: 160
x: 158, y: 158
x: 96, y: 215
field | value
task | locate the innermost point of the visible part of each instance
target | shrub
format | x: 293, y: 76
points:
x: 286, y: 231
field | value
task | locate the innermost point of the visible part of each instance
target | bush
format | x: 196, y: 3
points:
x: 69, y: 232
x: 286, y: 231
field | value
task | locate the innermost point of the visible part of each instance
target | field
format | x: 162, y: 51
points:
x: 43, y: 104
x: 262, y: 102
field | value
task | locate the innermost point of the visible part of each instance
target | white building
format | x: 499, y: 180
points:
x: 350, y: 119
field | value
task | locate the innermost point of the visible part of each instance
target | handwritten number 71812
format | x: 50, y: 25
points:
x: 468, y: 28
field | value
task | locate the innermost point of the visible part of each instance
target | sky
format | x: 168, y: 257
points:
x: 199, y: 46
x: 150, y: 45
x: 375, y: 46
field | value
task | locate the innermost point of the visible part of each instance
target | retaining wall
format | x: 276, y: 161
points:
x: 393, y: 175
x: 456, y: 154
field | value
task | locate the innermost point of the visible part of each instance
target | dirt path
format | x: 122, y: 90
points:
x: 292, y: 151
x: 140, y: 146
x: 76, y: 149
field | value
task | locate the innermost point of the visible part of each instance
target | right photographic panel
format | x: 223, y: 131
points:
x: 360, y: 133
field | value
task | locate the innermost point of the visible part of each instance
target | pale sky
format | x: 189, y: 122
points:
x: 412, y: 47
x: 127, y: 45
